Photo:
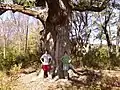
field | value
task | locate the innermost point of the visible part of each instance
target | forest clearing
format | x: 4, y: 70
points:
x: 59, y: 45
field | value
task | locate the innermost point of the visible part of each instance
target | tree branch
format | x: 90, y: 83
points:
x: 86, y: 5
x: 2, y: 11
x: 95, y: 9
x: 24, y: 10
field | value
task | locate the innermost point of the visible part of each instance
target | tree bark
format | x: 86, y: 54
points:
x: 108, y: 40
x: 57, y: 24
x: 117, y: 42
x: 61, y: 46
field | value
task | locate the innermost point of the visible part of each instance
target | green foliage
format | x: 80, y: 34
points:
x: 14, y: 58
x: 95, y: 58
x: 26, y: 3
x: 28, y: 59
x: 99, y: 59
x: 6, y: 63
x: 15, y: 69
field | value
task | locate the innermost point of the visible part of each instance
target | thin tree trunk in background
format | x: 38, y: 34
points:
x: 107, y: 18
x: 26, y: 41
x: 109, y: 44
x: 4, y: 49
x: 19, y: 46
x: 109, y: 48
x: 19, y: 29
x: 100, y: 42
x: 108, y: 39
x: 101, y: 38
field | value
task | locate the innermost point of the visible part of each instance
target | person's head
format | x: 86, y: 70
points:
x: 65, y: 53
x: 46, y: 52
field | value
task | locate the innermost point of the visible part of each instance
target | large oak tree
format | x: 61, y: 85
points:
x: 58, y: 19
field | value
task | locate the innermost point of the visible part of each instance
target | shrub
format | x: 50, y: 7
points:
x: 99, y: 59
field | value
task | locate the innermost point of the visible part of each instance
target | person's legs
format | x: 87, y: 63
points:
x: 66, y: 75
x: 46, y: 69
x: 45, y: 74
x: 49, y: 75
x: 49, y: 71
x: 65, y: 69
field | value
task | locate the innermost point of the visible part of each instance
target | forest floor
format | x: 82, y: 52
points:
x: 33, y: 81
x: 87, y: 80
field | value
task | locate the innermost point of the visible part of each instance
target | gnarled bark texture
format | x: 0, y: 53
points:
x: 117, y: 42
x: 57, y: 23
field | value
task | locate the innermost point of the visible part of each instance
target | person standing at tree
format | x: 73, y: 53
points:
x: 66, y: 62
x: 46, y: 60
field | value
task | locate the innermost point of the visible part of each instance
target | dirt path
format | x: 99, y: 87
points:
x: 33, y: 81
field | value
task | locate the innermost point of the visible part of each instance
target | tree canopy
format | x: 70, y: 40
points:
x: 79, y: 5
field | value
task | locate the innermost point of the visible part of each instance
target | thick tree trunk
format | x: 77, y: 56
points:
x: 57, y: 24
x: 62, y: 45
x: 117, y: 42
x: 60, y: 36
